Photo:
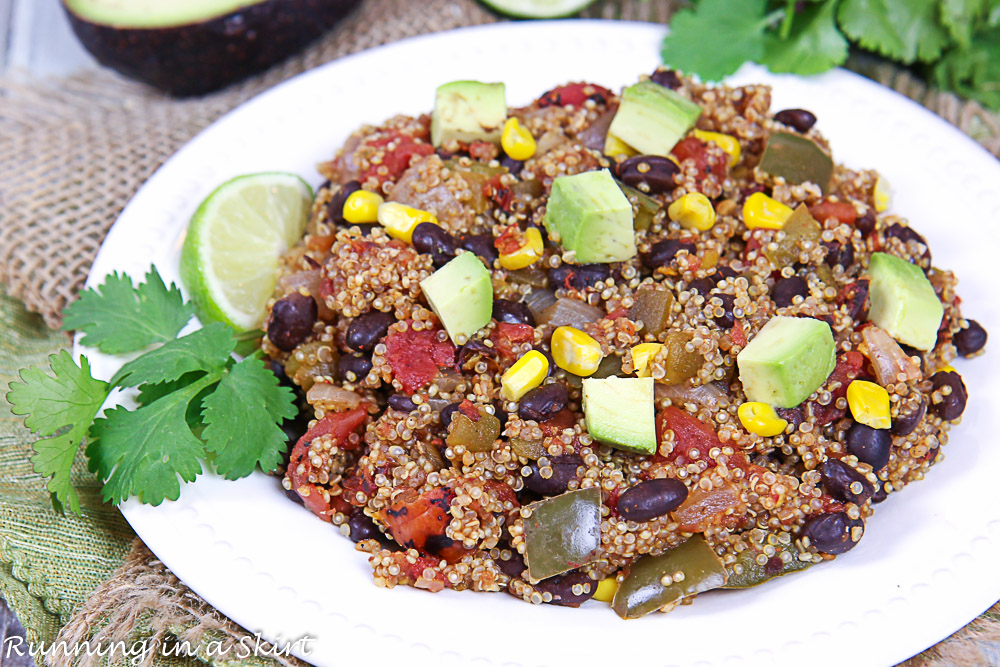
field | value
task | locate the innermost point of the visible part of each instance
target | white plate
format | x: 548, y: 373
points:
x: 926, y: 566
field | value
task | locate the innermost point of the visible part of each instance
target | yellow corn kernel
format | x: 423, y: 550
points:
x: 527, y: 254
x: 613, y: 147
x: 880, y: 194
x: 526, y: 374
x: 517, y: 141
x: 400, y: 220
x: 948, y: 369
x: 869, y: 404
x: 726, y: 142
x: 575, y: 351
x: 674, y: 160
x: 693, y: 211
x: 361, y: 207
x: 759, y: 210
x: 641, y: 354
x: 606, y: 590
x: 760, y: 418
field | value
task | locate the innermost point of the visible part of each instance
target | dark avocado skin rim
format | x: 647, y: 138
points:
x: 202, y: 57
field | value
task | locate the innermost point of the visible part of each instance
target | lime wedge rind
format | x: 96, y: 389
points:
x: 538, y: 9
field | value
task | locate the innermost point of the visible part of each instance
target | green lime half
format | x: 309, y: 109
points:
x: 234, y: 244
x: 537, y: 9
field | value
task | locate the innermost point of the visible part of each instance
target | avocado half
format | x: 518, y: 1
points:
x: 191, y: 47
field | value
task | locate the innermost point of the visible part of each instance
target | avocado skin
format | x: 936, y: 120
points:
x: 201, y: 57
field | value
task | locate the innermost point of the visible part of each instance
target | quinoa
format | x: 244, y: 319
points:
x: 435, y: 511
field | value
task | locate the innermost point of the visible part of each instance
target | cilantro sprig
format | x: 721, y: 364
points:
x: 955, y: 43
x: 196, y: 401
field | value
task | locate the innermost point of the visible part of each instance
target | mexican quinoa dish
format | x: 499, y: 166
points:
x: 630, y: 347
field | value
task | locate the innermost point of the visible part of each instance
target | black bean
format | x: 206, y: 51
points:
x: 667, y: 78
x: 906, y: 234
x: 292, y: 320
x: 952, y: 405
x: 578, y: 276
x: 513, y: 166
x: 359, y: 365
x: 786, y: 289
x: 663, y: 252
x: 561, y: 588
x: 724, y: 271
x: 293, y: 429
x: 845, y: 483
x: 880, y: 494
x: 652, y: 174
x: 870, y: 445
x: 481, y: 244
x: 447, y: 412
x: 855, y: 296
x: 866, y: 223
x: 364, y: 333
x: 500, y: 413
x: 362, y: 527
x: 702, y: 285
x: 435, y: 544
x: 443, y: 154
x: 652, y: 498
x: 435, y: 241
x: 366, y: 228
x: 905, y: 423
x: 335, y: 207
x: 543, y: 402
x: 512, y: 312
x: 916, y: 354
x: 834, y: 533
x: 292, y: 495
x: 475, y: 348
x: 402, y: 402
x: 727, y: 319
x: 971, y: 339
x: 563, y: 470
x: 839, y: 253
x: 279, y: 373
x: 512, y: 567
x: 800, y: 119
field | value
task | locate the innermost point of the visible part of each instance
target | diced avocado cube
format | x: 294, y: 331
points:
x: 468, y: 111
x: 589, y: 214
x: 620, y: 412
x: 797, y: 160
x: 461, y: 294
x: 788, y: 359
x: 903, y: 301
x: 562, y: 533
x: 650, y: 582
x: 652, y: 119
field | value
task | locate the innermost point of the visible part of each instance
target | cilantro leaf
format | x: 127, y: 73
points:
x: 975, y: 71
x: 812, y: 46
x: 118, y: 317
x: 714, y: 39
x: 242, y: 418
x: 143, y: 452
x: 60, y: 406
x: 959, y: 17
x: 905, y: 30
x: 206, y: 349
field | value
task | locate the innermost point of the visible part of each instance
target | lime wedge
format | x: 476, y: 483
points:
x: 537, y: 9
x: 229, y: 263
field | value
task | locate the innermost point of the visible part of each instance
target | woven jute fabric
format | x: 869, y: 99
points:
x: 72, y: 152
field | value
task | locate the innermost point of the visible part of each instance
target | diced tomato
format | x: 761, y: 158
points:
x: 574, y: 94
x: 358, y: 480
x: 483, y: 151
x: 689, y: 433
x: 558, y: 422
x: 611, y: 501
x: 693, y: 148
x: 415, y: 571
x: 498, y: 193
x: 839, y: 210
x: 321, y: 243
x: 615, y: 314
x: 418, y: 521
x: 848, y: 367
x: 503, y: 492
x: 510, y: 241
x: 753, y: 243
x: 338, y: 424
x: 469, y: 409
x: 830, y: 505
x: 416, y: 356
x: 397, y: 160
x: 738, y: 334
x: 506, y: 335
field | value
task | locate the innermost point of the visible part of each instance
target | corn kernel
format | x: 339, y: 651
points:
x: 880, y: 194
x: 361, y: 207
x: 760, y: 418
x: 517, y: 141
x: 613, y: 147
x: 759, y: 210
x: 575, y: 351
x: 606, y: 590
x: 869, y: 404
x: 641, y: 354
x: 400, y: 220
x: 948, y: 369
x: 726, y: 142
x: 527, y: 254
x: 693, y: 211
x: 526, y: 374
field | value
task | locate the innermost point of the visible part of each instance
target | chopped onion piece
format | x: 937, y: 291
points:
x: 332, y: 397
x: 707, y: 395
x: 890, y: 362
x: 570, y: 312
x: 538, y: 300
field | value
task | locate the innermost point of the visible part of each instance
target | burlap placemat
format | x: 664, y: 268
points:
x: 72, y: 152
